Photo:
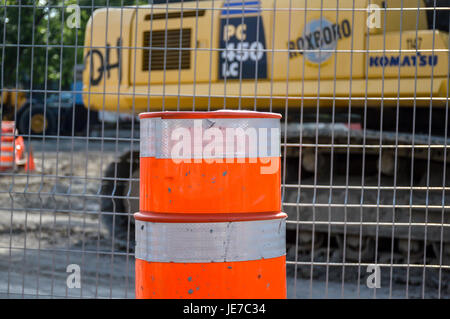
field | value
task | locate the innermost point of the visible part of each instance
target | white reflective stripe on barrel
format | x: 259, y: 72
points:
x: 6, y: 145
x: 210, y: 138
x: 9, y: 125
x: 210, y: 242
x: 6, y: 154
x: 6, y: 164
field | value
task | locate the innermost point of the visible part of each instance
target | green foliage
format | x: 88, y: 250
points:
x: 38, y: 48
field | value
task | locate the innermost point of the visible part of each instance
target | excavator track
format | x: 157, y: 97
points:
x: 387, y: 195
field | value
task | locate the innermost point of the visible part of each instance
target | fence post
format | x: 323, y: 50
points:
x: 210, y: 223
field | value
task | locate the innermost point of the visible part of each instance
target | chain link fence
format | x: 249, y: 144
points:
x: 363, y: 88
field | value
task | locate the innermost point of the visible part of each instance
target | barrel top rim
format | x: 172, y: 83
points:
x: 208, y: 115
x: 207, y: 217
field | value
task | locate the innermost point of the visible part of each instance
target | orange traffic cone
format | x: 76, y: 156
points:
x: 29, y: 165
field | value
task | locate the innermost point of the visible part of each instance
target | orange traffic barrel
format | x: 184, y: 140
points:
x: 210, y: 162
x: 7, y: 157
x: 7, y: 132
x: 210, y: 223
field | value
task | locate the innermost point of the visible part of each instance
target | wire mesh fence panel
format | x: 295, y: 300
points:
x: 363, y: 89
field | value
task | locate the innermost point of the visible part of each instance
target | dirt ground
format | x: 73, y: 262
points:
x: 50, y: 219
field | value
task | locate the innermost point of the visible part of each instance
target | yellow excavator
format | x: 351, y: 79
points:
x: 363, y: 87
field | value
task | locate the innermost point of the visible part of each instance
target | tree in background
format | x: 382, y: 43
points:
x: 38, y: 49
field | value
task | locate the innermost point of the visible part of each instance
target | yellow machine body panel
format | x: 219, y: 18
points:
x: 216, y: 54
x: 12, y: 101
